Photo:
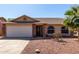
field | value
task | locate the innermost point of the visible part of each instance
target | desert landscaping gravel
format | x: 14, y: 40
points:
x: 50, y: 46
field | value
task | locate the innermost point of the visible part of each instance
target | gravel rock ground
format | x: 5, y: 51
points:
x: 50, y: 46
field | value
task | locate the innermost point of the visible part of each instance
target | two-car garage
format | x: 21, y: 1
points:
x: 19, y: 30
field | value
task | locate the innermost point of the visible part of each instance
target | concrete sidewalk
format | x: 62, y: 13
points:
x: 12, y: 46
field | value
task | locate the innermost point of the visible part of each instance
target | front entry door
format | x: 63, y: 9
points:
x: 39, y: 31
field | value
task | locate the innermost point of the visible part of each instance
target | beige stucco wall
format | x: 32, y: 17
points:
x: 58, y: 30
x: 56, y: 27
x: 45, y: 26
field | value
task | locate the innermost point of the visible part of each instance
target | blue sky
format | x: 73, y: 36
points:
x: 33, y: 10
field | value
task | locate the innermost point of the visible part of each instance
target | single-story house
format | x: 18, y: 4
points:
x: 25, y: 26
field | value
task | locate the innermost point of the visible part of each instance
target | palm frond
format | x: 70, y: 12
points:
x: 69, y: 13
x: 74, y: 9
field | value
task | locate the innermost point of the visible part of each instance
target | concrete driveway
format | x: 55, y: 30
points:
x: 12, y: 46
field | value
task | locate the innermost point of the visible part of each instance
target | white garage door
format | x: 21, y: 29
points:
x: 19, y: 31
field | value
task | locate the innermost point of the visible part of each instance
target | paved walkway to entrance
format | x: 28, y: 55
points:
x: 14, y: 46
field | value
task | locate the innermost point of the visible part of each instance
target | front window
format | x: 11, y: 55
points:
x: 50, y: 30
x: 64, y: 30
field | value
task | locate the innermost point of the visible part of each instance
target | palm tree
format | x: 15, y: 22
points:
x: 72, y: 19
x: 70, y: 25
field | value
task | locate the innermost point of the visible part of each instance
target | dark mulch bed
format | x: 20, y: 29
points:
x: 51, y: 47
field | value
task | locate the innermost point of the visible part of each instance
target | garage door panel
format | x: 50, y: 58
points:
x: 19, y: 31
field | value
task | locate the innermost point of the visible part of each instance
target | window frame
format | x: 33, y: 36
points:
x: 50, y: 30
x: 64, y: 30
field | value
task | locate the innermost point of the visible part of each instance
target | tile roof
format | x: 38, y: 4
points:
x: 24, y: 19
x: 27, y: 19
x: 50, y: 20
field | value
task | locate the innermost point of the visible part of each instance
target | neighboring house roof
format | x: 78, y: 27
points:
x: 24, y: 19
x: 50, y: 20
x: 2, y: 19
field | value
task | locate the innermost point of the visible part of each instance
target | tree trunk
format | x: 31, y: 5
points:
x: 72, y: 34
x: 78, y: 33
